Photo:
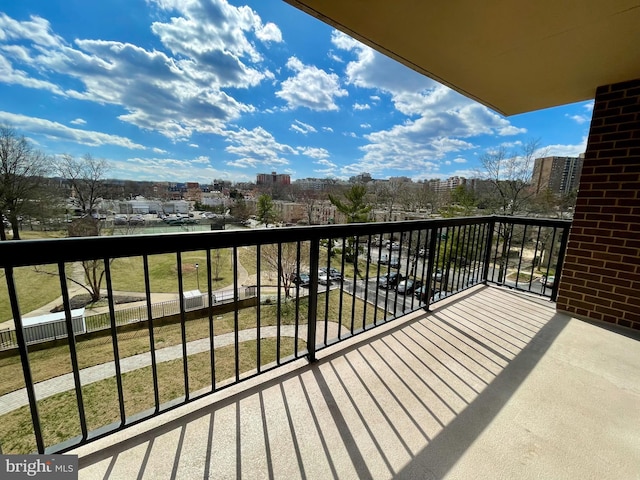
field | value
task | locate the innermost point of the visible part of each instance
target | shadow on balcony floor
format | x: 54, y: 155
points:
x: 491, y: 384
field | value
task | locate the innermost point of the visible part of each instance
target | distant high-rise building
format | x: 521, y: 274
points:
x: 273, y: 178
x: 560, y: 175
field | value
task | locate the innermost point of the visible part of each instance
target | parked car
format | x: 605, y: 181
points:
x: 394, y: 262
x: 393, y: 246
x: 136, y: 220
x: 390, y: 280
x: 548, y: 281
x: 327, y: 276
x: 120, y: 220
x: 438, y: 274
x: 302, y: 279
x: 407, y: 287
x: 384, y: 259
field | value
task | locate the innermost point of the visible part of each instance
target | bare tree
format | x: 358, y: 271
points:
x: 22, y: 173
x: 86, y: 176
x: 87, y: 179
x: 509, y: 174
x: 285, y: 262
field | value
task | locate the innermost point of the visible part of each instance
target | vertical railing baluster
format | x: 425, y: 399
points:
x: 561, y: 254
x: 366, y: 288
x: 535, y: 257
x: 236, y: 320
x: 278, y: 304
x: 152, y: 342
x: 183, y: 326
x: 327, y: 291
x: 258, y: 305
x: 432, y: 265
x: 377, y: 294
x: 524, y: 237
x: 314, y: 264
x: 212, y: 333
x: 114, y: 340
x: 66, y: 302
x: 297, y: 310
x: 492, y: 227
x: 24, y: 359
x: 341, y: 294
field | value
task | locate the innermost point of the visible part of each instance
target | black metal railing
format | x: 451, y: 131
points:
x: 293, y: 292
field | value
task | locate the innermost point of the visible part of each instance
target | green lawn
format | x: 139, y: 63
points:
x: 59, y: 414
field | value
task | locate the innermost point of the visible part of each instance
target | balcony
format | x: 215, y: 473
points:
x: 352, y: 380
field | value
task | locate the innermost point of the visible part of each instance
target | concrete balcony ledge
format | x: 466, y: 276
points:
x: 490, y: 384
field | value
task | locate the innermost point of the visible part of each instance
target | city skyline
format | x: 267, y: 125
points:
x: 199, y: 90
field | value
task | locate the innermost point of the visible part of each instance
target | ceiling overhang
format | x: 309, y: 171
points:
x: 513, y: 57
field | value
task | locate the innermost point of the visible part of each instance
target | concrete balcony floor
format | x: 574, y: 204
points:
x: 490, y: 384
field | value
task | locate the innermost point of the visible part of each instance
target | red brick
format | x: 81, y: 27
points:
x: 618, y: 119
x: 617, y: 193
x: 622, y: 102
x: 633, y: 316
x: 622, y: 250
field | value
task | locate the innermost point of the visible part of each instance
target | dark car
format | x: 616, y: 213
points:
x: 390, y: 280
x: 302, y: 279
x: 394, y: 262
x: 408, y: 286
x: 328, y: 276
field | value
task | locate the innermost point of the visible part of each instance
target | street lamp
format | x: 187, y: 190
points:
x: 197, y: 277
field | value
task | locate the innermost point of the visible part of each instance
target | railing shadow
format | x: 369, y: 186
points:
x: 405, y: 402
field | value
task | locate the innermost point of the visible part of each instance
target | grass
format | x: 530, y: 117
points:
x: 128, y: 273
x: 55, y: 361
x: 30, y: 298
x: 59, y: 415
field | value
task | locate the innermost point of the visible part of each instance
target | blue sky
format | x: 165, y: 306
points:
x: 192, y: 90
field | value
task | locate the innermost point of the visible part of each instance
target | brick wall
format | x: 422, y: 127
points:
x: 601, y: 275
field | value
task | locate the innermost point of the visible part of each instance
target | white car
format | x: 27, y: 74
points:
x: 548, y: 281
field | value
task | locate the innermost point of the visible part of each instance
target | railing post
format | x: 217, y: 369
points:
x: 430, y: 264
x: 314, y: 263
x: 24, y: 359
x: 487, y: 253
x: 563, y: 248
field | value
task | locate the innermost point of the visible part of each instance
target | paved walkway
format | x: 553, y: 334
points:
x: 14, y: 400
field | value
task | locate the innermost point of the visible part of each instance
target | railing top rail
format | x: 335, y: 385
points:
x: 47, y: 251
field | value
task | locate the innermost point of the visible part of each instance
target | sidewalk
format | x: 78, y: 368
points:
x: 156, y: 297
x: 14, y: 400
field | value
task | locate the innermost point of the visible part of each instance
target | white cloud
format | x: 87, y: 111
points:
x: 194, y: 145
x: 436, y: 121
x: 314, y: 152
x: 78, y: 121
x: 257, y: 147
x: 302, y: 127
x: 361, y: 106
x: 579, y: 119
x: 269, y: 33
x: 310, y: 87
x: 197, y: 169
x: 365, y: 125
x: 327, y: 129
x: 460, y: 160
x: 336, y: 58
x: 158, y: 150
x: 212, y: 46
x: 563, y: 150
x: 58, y: 131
